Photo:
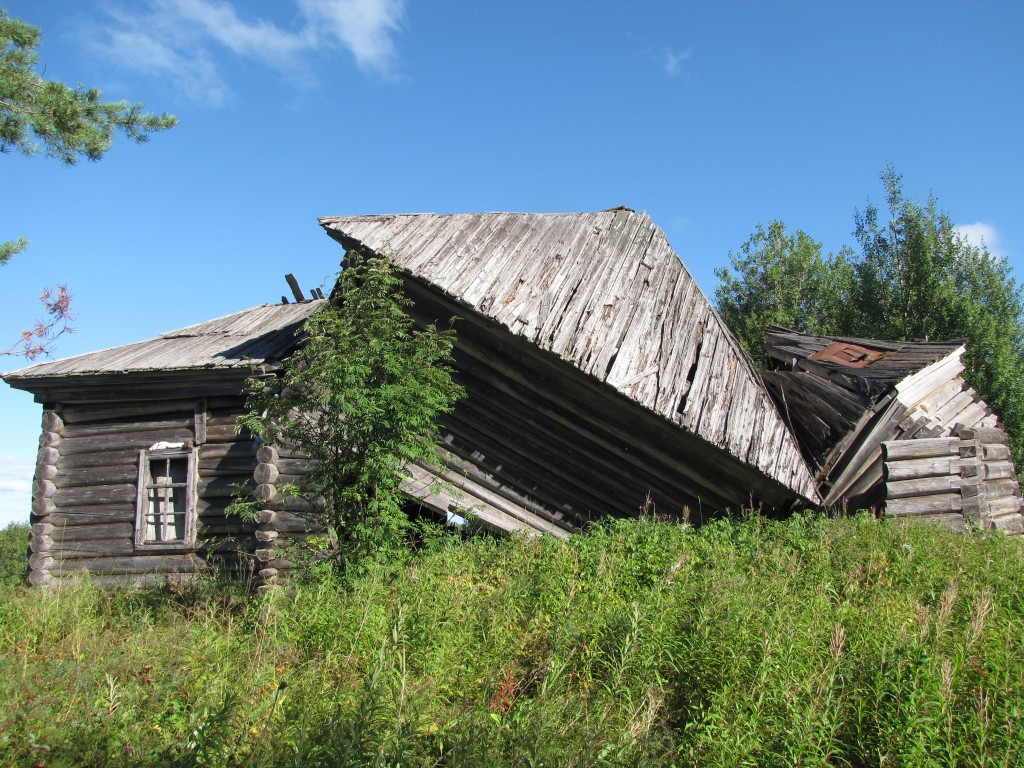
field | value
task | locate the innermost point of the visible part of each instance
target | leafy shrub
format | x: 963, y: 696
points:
x: 14, y: 552
x: 359, y: 398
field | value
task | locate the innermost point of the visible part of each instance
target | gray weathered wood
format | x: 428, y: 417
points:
x: 267, y: 454
x: 902, y: 489
x: 266, y: 474
x: 97, y: 494
x: 921, y: 468
x: 182, y: 423
x: 921, y: 449
x: 938, y: 503
x: 138, y: 440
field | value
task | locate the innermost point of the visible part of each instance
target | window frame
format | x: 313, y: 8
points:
x: 144, y: 483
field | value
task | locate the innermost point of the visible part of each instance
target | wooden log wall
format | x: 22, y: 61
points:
x: 265, y: 475
x: 967, y: 479
x: 84, y: 496
x: 990, y: 488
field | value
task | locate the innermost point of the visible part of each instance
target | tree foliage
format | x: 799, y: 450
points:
x: 360, y: 398
x: 782, y: 279
x: 70, y: 123
x: 914, y: 277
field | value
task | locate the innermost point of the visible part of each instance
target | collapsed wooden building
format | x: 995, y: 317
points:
x: 597, y: 374
x: 895, y: 426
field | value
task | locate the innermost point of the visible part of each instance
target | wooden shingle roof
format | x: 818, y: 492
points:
x: 605, y: 294
x: 235, y: 342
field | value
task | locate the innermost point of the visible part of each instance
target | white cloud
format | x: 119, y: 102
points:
x: 363, y: 26
x: 180, y: 39
x: 982, y: 234
x: 196, y: 76
x: 673, y: 62
x: 15, y: 490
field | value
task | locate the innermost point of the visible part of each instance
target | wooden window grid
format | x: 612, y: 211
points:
x: 165, y: 514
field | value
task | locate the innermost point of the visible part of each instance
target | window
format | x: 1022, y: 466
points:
x: 165, y: 515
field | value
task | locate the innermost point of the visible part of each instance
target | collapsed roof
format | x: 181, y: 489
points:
x: 845, y: 397
x: 596, y: 371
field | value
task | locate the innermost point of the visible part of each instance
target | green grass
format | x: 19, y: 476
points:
x: 806, y: 642
x: 14, y: 553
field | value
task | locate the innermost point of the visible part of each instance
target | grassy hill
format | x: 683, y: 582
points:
x: 805, y: 642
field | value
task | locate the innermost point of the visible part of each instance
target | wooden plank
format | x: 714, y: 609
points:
x: 995, y: 489
x: 915, y: 388
x: 995, y: 452
x: 121, y: 411
x: 997, y: 470
x: 132, y: 565
x: 126, y: 426
x: 935, y: 504
x: 220, y: 487
x: 1006, y: 504
x: 994, y: 436
x: 919, y: 468
x: 947, y: 413
x: 239, y: 450
x: 242, y: 469
x: 102, y: 475
x: 224, y: 433
x: 97, y: 494
x: 91, y: 548
x: 1011, y: 525
x: 112, y: 530
x: 122, y: 441
x: 200, y: 417
x: 921, y: 449
x: 867, y: 451
x: 93, y: 514
x: 901, y: 489
x: 98, y: 459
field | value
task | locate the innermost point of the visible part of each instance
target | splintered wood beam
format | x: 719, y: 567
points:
x: 294, y: 285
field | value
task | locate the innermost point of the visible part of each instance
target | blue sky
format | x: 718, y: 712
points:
x: 711, y: 117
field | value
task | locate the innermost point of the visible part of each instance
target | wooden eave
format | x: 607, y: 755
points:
x: 216, y: 355
x: 138, y: 385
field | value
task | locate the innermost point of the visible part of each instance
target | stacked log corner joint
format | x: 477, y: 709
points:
x: 41, y: 541
x: 265, y: 475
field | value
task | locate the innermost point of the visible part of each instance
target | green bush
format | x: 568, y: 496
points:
x: 808, y: 641
x: 14, y: 553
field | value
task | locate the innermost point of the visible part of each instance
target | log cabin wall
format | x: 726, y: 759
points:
x: 86, y: 489
x: 964, y: 480
x: 173, y: 399
x: 894, y: 426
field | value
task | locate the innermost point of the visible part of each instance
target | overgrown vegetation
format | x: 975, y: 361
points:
x: 360, y: 399
x: 913, y: 277
x: 805, y: 642
x: 14, y: 553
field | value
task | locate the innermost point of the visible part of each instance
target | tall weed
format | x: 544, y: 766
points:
x: 747, y: 642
